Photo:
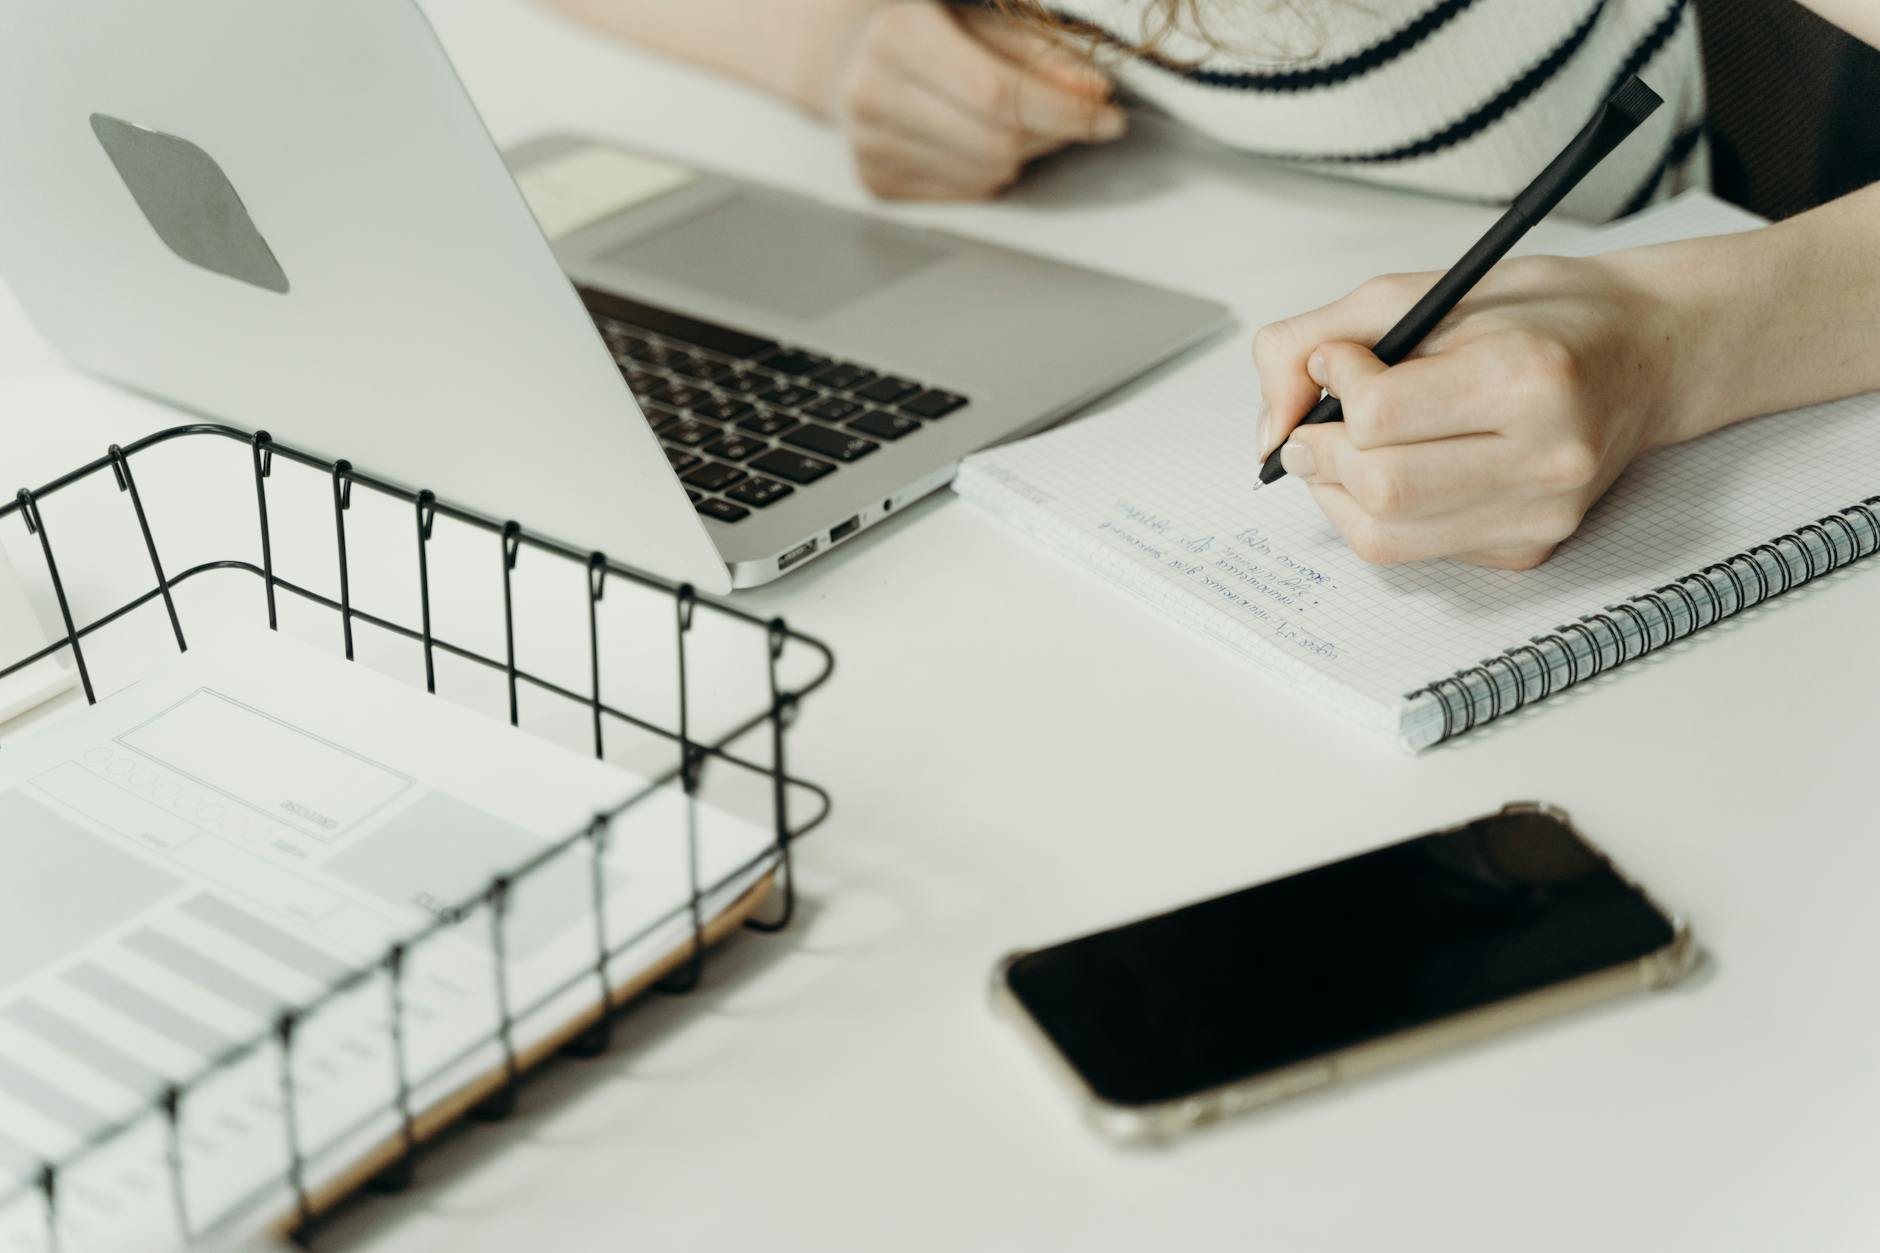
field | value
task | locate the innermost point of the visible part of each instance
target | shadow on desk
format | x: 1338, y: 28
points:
x: 662, y: 1042
x: 1160, y: 153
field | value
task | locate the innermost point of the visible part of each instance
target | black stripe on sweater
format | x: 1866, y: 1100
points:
x: 1676, y: 153
x: 1655, y: 39
x: 1474, y: 123
x: 1311, y: 77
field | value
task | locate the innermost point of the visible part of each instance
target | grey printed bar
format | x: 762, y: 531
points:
x: 82, y: 1047
x: 167, y: 1022
x: 270, y: 941
x: 29, y: 1089
x: 205, y: 972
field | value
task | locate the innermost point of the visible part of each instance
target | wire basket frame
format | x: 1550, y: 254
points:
x: 393, y: 1165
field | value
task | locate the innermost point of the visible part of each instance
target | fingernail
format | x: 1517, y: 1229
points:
x: 1315, y: 366
x: 1264, y: 432
x: 1111, y: 124
x: 1297, y: 459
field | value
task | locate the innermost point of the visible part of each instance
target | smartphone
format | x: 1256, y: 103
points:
x: 1297, y: 984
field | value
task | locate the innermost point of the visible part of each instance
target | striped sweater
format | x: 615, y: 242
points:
x: 1465, y: 98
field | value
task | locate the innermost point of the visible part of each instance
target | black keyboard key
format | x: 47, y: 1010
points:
x: 837, y: 444
x: 767, y: 422
x: 682, y: 461
x: 833, y: 409
x: 680, y: 395
x: 719, y: 339
x: 747, y: 383
x: 724, y: 511
x: 760, y: 492
x: 658, y: 417
x: 693, y: 496
x: 884, y: 425
x: 735, y: 447
x: 845, y: 377
x: 665, y: 356
x: 703, y: 369
x: 642, y: 382
x: 626, y: 347
x: 790, y: 465
x: 789, y: 396
x: 885, y: 391
x: 720, y: 409
x: 794, y: 361
x: 689, y: 434
x: 933, y: 403
x: 715, y: 476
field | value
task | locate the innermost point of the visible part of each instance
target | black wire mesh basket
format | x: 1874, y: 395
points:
x: 120, y: 523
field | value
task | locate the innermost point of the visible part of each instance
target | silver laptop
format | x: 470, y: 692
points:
x: 286, y: 214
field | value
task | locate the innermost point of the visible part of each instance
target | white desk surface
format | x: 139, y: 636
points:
x: 1019, y: 754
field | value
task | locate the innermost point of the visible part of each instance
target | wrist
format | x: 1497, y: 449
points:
x: 814, y: 81
x: 1682, y: 323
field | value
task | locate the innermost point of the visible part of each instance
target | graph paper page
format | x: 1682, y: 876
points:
x: 1157, y: 495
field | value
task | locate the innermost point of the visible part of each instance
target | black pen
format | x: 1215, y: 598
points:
x: 1616, y: 119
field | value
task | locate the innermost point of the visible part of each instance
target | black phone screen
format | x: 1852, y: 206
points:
x: 1279, y: 973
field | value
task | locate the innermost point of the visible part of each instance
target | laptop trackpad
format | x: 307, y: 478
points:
x: 798, y: 260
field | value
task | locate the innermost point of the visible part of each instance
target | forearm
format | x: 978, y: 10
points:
x: 790, y: 47
x: 1859, y: 18
x: 1770, y: 319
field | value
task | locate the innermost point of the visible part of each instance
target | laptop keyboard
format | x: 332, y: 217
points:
x: 746, y: 421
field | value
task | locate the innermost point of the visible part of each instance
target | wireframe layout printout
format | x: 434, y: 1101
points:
x: 1157, y: 495
x: 184, y: 861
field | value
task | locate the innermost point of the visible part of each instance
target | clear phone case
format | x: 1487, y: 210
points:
x: 1160, y: 1122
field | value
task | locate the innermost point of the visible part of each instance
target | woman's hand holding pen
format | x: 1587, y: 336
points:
x: 951, y: 104
x: 1490, y: 442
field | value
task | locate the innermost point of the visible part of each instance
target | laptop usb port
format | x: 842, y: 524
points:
x: 842, y: 530
x: 795, y: 555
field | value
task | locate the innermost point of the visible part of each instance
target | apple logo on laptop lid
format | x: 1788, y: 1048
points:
x: 190, y: 202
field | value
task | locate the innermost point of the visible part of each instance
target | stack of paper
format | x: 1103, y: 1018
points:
x: 224, y: 841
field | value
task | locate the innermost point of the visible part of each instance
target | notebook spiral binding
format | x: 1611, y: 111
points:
x: 1598, y: 642
x: 392, y: 1167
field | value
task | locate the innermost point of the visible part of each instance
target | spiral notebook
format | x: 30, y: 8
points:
x: 1154, y: 495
